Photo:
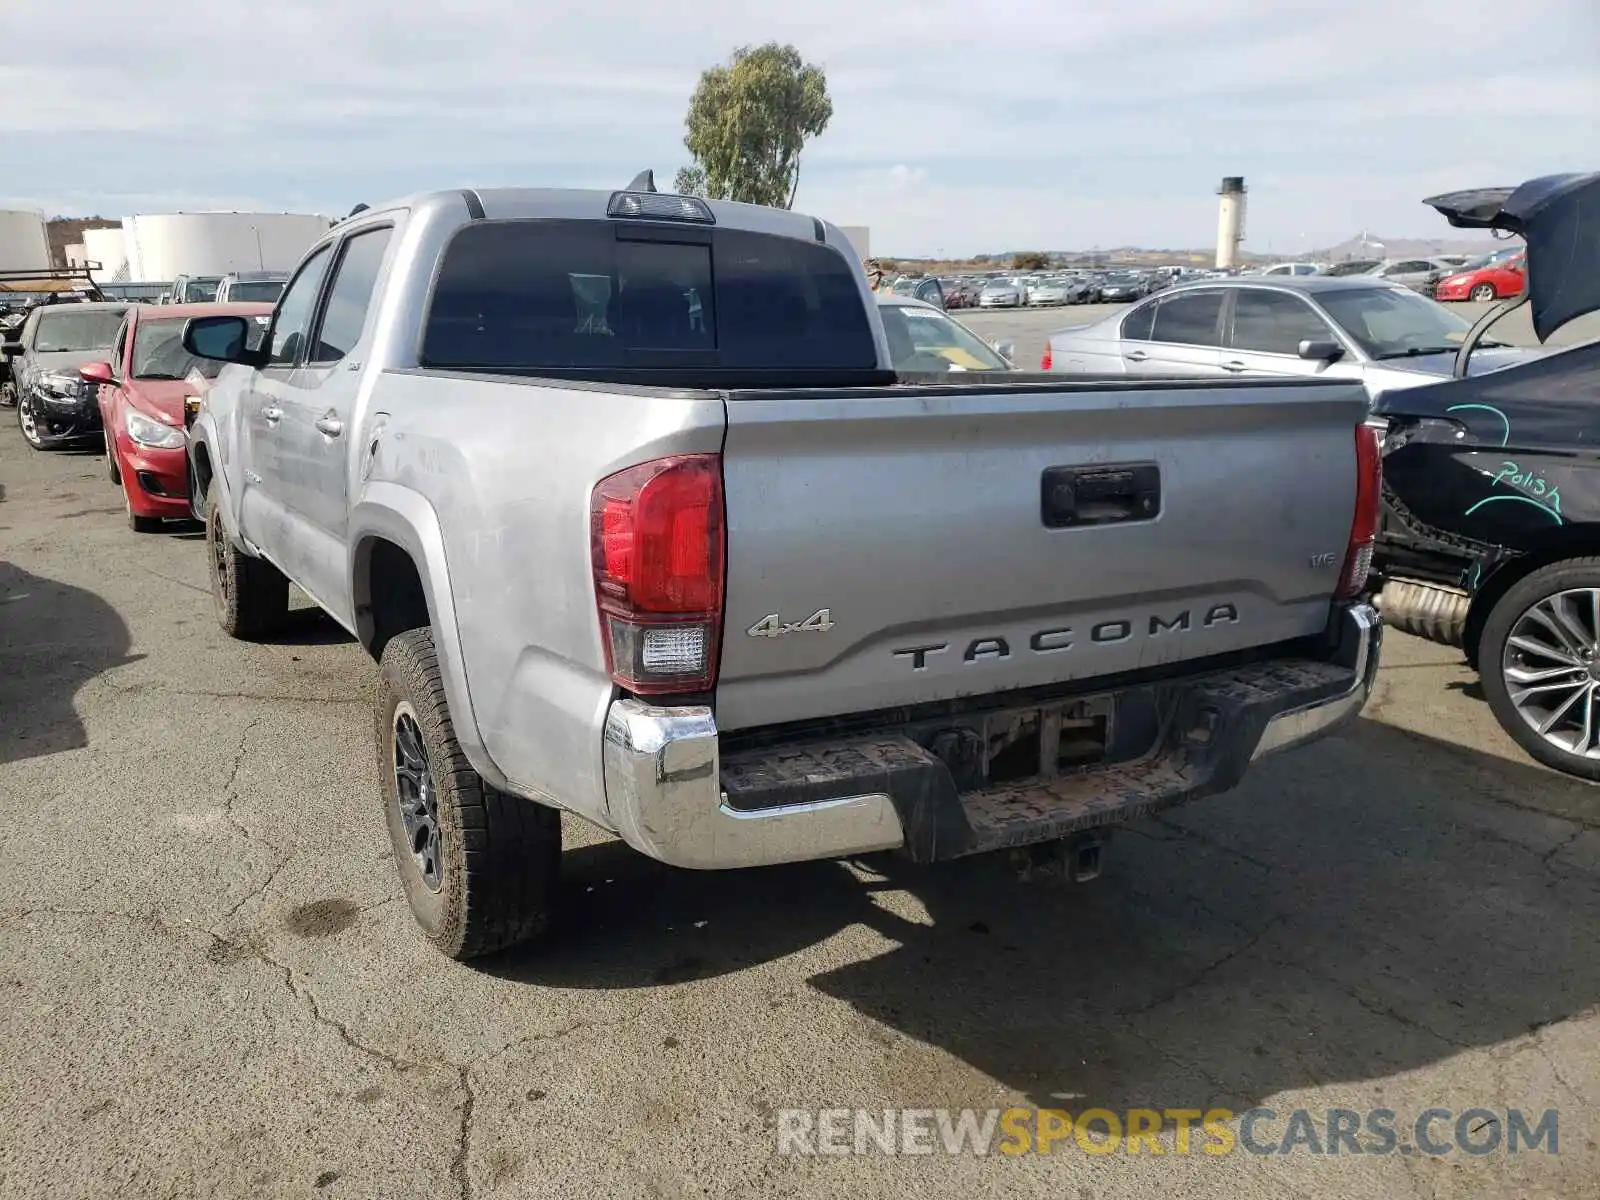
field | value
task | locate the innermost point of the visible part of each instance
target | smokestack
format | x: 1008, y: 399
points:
x: 1230, y: 221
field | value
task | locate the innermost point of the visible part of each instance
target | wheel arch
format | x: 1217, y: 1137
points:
x: 400, y: 579
x: 1567, y: 541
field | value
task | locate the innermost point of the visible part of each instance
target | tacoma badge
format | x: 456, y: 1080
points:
x: 773, y: 626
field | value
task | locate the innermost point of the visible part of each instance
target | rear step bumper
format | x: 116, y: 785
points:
x: 673, y: 796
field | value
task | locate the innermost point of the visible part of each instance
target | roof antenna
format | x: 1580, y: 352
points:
x: 644, y: 181
x: 360, y: 208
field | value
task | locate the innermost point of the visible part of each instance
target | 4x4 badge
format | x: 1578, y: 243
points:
x: 773, y: 626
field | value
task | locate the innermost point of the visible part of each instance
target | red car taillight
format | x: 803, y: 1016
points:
x: 657, y: 533
x: 1364, y: 524
x: 1047, y: 358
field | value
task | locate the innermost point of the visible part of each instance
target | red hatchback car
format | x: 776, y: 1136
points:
x: 1498, y: 277
x: 142, y: 390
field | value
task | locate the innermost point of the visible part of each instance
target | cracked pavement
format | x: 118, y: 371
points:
x: 213, y: 987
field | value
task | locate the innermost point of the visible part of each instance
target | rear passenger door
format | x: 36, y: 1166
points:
x: 1266, y: 332
x: 1185, y: 337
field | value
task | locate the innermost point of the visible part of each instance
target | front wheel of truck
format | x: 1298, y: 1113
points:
x: 250, y: 595
x: 478, y: 866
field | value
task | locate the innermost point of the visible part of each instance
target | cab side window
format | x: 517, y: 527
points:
x: 350, y: 295
x: 299, y: 304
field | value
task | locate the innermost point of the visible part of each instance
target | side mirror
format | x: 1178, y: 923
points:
x: 1320, y: 351
x: 1006, y: 350
x: 224, y: 339
x: 96, y: 372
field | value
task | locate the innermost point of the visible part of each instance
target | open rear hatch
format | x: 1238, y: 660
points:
x: 1558, y: 216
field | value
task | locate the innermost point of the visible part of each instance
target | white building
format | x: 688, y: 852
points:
x: 109, y: 248
x: 24, y: 243
x: 162, y: 246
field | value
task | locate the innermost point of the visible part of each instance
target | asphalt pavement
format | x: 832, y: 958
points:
x: 212, y: 987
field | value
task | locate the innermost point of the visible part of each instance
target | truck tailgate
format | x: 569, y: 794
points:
x: 920, y: 524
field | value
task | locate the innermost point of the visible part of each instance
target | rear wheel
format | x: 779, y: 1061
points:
x: 250, y: 595
x: 478, y: 866
x: 1540, y: 662
x: 1483, y: 293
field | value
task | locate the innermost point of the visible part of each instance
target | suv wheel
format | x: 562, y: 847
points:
x: 478, y: 866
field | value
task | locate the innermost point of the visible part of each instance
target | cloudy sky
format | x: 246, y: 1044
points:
x: 958, y: 126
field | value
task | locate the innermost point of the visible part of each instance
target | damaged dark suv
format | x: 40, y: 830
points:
x: 1490, y: 537
x: 55, y: 405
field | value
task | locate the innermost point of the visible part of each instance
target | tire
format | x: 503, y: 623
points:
x: 1549, y: 587
x: 485, y: 876
x: 25, y: 422
x: 1483, y: 293
x: 250, y: 595
x: 113, y: 472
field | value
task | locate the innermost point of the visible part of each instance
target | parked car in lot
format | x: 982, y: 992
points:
x: 56, y: 406
x: 1291, y: 268
x: 1001, y: 293
x: 1490, y: 501
x: 1313, y: 326
x: 1493, y: 277
x: 141, y: 389
x: 1048, y: 293
x: 702, y: 568
x: 251, y: 287
x: 1354, y: 266
x: 923, y: 339
x: 192, y: 289
x: 1123, y: 287
x: 1418, y: 274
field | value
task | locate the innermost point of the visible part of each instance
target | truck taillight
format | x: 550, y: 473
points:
x: 657, y: 533
x: 1047, y: 358
x: 1364, y: 524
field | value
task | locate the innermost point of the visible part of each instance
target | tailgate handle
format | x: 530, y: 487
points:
x: 1072, y: 497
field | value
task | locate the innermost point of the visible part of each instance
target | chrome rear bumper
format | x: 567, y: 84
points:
x: 667, y: 796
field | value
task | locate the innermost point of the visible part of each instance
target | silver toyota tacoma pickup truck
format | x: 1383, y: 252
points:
x: 619, y: 490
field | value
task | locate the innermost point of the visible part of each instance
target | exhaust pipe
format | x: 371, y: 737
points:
x: 1425, y: 610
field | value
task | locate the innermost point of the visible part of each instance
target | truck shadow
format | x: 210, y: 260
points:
x: 1368, y: 906
x: 54, y: 638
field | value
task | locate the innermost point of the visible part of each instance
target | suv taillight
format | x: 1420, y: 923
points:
x: 1364, y: 525
x: 658, y: 550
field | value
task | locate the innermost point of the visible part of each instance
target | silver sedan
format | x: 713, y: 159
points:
x: 1001, y: 293
x: 1314, y: 326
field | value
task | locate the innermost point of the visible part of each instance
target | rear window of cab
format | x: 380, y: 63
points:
x: 523, y: 296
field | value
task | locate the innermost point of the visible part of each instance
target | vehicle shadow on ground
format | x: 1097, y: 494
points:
x: 308, y: 626
x: 1354, y: 912
x: 54, y: 638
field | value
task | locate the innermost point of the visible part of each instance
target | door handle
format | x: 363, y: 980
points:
x: 271, y: 414
x: 1136, y: 356
x: 1234, y: 365
x: 331, y: 426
